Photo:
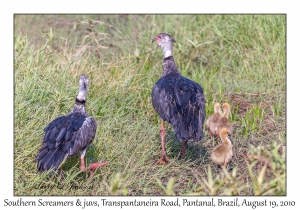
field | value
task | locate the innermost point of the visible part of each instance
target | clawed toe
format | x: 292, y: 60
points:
x: 162, y: 160
x: 96, y: 165
x: 92, y: 167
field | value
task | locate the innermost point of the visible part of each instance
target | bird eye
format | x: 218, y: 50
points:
x: 158, y: 37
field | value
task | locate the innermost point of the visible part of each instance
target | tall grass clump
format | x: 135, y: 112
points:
x: 238, y: 59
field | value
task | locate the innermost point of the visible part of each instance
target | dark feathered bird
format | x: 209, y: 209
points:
x: 178, y: 100
x: 69, y: 135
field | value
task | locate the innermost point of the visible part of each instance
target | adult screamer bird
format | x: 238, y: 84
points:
x: 69, y: 135
x: 178, y: 100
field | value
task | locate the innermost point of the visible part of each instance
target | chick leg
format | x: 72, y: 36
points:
x: 163, y: 158
x: 208, y: 128
x: 218, y: 137
x: 209, y: 132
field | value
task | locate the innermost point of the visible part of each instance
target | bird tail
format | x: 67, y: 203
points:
x: 50, y: 159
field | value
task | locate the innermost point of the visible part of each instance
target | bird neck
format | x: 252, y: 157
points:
x: 81, y: 95
x: 167, y: 53
x: 226, y: 140
x: 167, y: 49
x: 226, y: 113
x: 169, y: 66
x: 79, y: 106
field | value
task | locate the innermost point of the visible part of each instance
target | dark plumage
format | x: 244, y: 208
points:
x: 68, y: 135
x: 178, y: 100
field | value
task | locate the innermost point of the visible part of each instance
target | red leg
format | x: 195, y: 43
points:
x: 218, y: 137
x: 92, y: 167
x: 163, y: 158
x: 209, y: 132
x: 183, y: 149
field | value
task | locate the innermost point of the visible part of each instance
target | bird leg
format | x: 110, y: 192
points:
x: 209, y: 132
x: 92, y: 167
x: 183, y: 149
x: 218, y: 137
x: 163, y: 158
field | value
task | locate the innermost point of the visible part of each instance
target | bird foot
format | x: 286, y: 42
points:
x: 162, y: 160
x: 93, y: 166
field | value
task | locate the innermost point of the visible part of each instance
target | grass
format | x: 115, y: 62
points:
x: 239, y: 59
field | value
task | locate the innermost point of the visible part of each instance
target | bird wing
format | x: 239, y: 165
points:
x: 181, y: 102
x: 83, y: 137
x: 72, y: 133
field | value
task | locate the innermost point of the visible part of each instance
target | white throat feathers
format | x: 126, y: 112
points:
x: 167, y: 53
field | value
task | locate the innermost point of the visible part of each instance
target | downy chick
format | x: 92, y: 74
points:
x: 212, y: 120
x: 223, y: 122
x: 222, y: 153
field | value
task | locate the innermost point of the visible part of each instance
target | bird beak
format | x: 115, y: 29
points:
x: 155, y: 39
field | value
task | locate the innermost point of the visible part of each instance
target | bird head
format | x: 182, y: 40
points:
x: 226, y: 106
x: 224, y: 132
x: 217, y: 108
x: 165, y: 41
